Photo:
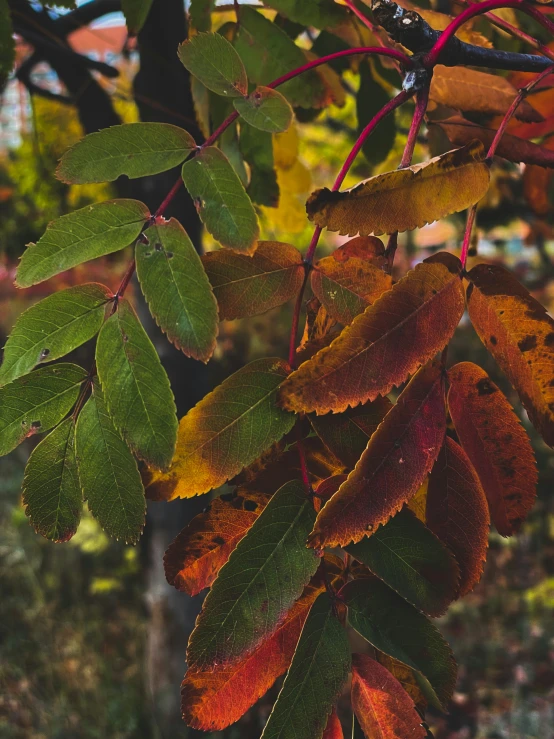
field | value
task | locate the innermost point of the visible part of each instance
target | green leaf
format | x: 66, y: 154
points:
x: 221, y: 200
x: 318, y: 13
x: 133, y: 149
x: 54, y: 327
x: 396, y: 628
x: 177, y: 289
x: 255, y: 589
x: 200, y: 14
x: 265, y: 109
x: 135, y: 12
x: 257, y: 149
x: 370, y: 98
x: 268, y: 53
x: 136, y: 387
x: 79, y: 236
x: 37, y: 402
x: 212, y: 59
x: 108, y: 473
x: 319, y: 669
x: 347, y: 434
x: 247, y: 286
x: 51, y: 493
x: 406, y: 555
x: 7, y: 43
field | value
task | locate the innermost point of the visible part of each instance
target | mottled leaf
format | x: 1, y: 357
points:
x: 519, y: 333
x: 85, y: 234
x: 214, y: 61
x: 196, y: 555
x: 319, y: 669
x: 221, y: 201
x: 37, y: 402
x: 246, y: 286
x: 177, y: 290
x: 406, y: 555
x: 108, y: 473
x: 133, y: 149
x: 398, y: 629
x: 225, y: 432
x: 136, y: 13
x: 53, y: 327
x: 407, y: 677
x: 399, y: 455
x: 136, y: 388
x: 257, y: 587
x: 265, y: 109
x: 385, y: 344
x: 496, y: 443
x: 51, y: 493
x: 406, y: 198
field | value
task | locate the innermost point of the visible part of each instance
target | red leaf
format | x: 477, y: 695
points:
x: 381, y: 705
x: 457, y: 512
x: 399, y: 455
x: 496, y: 443
x: 333, y: 730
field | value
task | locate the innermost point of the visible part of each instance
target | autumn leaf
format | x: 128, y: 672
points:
x: 407, y: 677
x: 457, y: 512
x: 196, y: 555
x: 333, y: 730
x: 519, y: 333
x: 496, y: 443
x: 385, y: 344
x: 224, y: 432
x: 399, y: 455
x: 406, y: 198
x: 381, y: 705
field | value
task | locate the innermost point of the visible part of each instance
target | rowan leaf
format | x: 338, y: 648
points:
x: 407, y: 677
x: 36, y: 402
x: 136, y: 13
x: 85, y: 234
x: 318, y: 13
x: 410, y: 559
x: 214, y: 61
x: 51, y: 493
x: 257, y: 149
x: 221, y: 200
x: 53, y: 327
x: 457, y: 512
x: 225, y: 432
x: 247, y: 286
x: 398, y: 629
x: 370, y: 98
x: 108, y: 473
x: 519, y: 333
x: 333, y: 730
x: 347, y: 434
x: 265, y: 109
x: 177, y: 289
x: 385, y: 344
x: 200, y: 14
x: 406, y: 198
x: 398, y: 457
x: 136, y: 388
x: 477, y: 92
x: 381, y: 705
x: 319, y: 669
x: 496, y: 443
x: 196, y: 555
x: 256, y: 588
x: 133, y: 149
x: 214, y: 699
x: 350, y: 279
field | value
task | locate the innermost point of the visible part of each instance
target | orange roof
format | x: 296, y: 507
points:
x: 100, y: 40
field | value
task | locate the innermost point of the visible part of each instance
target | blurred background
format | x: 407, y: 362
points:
x: 92, y: 639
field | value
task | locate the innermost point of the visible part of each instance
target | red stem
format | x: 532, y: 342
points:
x: 432, y: 57
x: 467, y: 235
x: 422, y: 101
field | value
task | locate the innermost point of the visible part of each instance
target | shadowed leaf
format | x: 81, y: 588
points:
x: 370, y: 98
x: 200, y: 14
x: 385, y: 344
x: 51, y: 493
x: 519, y: 333
x: 321, y: 13
x: 265, y: 109
x: 399, y: 455
x: 196, y: 555
x: 257, y: 587
x: 7, y: 43
x: 457, y: 512
x: 246, y: 286
x: 213, y: 60
x: 496, y: 443
x: 257, y: 149
x: 136, y: 13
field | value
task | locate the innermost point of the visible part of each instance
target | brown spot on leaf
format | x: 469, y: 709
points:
x: 528, y: 343
x: 485, y: 386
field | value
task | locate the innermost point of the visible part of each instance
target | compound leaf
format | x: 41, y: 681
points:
x: 214, y: 61
x: 265, y: 109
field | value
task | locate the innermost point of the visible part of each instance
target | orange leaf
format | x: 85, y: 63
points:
x: 407, y: 326
x: 457, y: 512
x: 496, y: 443
x: 196, y: 555
x: 405, y: 676
x: 519, y: 333
x: 381, y: 705
x: 333, y: 730
x: 399, y: 455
